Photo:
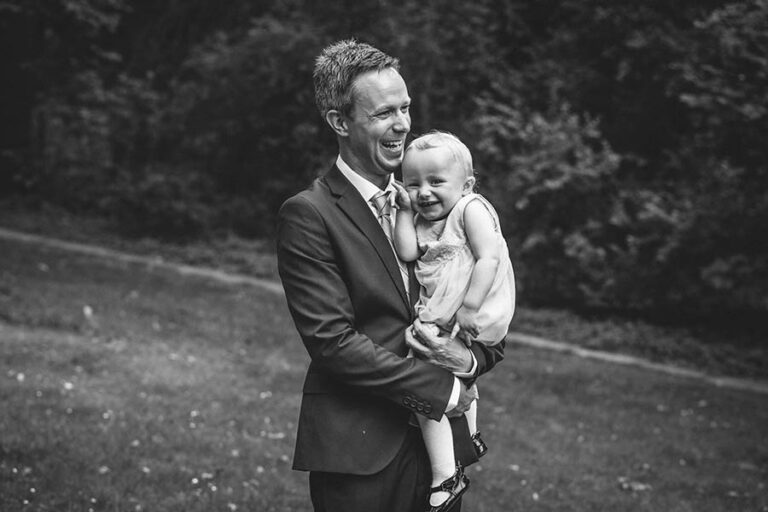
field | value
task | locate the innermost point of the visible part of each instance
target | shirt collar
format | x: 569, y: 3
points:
x: 362, y: 185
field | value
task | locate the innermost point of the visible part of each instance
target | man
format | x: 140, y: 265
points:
x: 351, y: 301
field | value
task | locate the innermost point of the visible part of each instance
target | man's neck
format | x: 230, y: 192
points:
x: 381, y: 181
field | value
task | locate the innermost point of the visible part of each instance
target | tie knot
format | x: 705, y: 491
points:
x: 382, y: 203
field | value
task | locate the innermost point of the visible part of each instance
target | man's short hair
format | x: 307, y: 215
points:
x: 438, y: 139
x: 336, y: 69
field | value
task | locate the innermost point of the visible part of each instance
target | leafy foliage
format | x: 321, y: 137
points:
x: 622, y: 143
x: 551, y: 177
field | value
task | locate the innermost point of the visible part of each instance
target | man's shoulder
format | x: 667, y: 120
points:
x: 315, y: 198
x: 322, y: 190
x: 317, y: 190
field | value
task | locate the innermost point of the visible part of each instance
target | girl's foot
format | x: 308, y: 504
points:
x: 444, y: 496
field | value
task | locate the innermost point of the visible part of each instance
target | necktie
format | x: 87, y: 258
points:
x: 384, y: 212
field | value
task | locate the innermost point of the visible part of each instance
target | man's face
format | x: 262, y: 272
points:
x: 378, y: 124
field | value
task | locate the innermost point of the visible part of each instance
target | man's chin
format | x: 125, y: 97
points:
x: 391, y: 165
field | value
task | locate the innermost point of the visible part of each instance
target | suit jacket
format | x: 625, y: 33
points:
x: 348, y: 301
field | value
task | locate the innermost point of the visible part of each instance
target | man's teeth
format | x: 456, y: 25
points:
x: 393, y: 145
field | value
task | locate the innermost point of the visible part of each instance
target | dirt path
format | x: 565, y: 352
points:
x: 150, y: 261
x: 275, y: 287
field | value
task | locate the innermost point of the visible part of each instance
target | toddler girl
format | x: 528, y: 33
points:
x: 463, y: 266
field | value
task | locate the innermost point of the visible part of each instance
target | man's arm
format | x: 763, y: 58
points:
x: 322, y: 309
x: 451, y: 353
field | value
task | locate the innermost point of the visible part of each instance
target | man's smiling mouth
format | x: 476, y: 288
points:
x: 395, y: 145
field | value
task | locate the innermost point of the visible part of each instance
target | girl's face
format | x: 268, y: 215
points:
x: 435, y: 182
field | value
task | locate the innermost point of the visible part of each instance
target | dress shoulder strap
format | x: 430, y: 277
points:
x: 457, y: 215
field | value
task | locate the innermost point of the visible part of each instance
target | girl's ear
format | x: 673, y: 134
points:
x: 469, y: 185
x: 337, y: 122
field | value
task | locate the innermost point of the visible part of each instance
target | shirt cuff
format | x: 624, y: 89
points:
x: 454, y: 400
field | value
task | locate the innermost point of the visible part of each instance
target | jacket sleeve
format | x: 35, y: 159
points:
x: 321, y: 306
x: 487, y: 356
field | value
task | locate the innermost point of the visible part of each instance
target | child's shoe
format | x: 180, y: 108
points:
x: 454, y: 486
x: 480, y: 447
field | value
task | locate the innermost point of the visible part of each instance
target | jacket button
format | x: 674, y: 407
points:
x: 427, y: 408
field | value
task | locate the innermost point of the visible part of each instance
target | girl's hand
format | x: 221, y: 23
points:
x: 466, y: 320
x: 402, y: 198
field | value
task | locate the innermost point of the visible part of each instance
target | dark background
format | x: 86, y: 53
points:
x: 623, y: 143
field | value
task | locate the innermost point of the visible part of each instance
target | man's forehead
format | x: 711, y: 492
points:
x: 380, y: 88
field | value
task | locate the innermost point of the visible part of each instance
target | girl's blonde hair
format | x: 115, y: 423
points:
x: 438, y: 139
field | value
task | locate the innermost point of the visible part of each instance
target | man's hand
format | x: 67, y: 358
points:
x: 445, y: 352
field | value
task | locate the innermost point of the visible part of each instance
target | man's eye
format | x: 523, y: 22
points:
x: 405, y: 109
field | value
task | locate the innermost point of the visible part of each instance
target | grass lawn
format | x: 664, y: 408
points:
x: 734, y: 350
x: 127, y: 387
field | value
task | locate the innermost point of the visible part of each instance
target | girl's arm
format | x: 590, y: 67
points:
x: 479, y: 226
x: 404, y: 241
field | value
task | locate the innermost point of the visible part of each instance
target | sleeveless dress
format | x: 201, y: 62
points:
x: 445, y: 267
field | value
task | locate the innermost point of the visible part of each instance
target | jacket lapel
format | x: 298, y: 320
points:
x: 414, y: 288
x: 354, y: 207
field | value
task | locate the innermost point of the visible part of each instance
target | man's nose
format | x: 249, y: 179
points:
x: 403, y: 122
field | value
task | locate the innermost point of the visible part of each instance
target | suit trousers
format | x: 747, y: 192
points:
x: 402, y: 486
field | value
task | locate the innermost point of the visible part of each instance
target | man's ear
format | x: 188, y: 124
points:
x: 338, y: 122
